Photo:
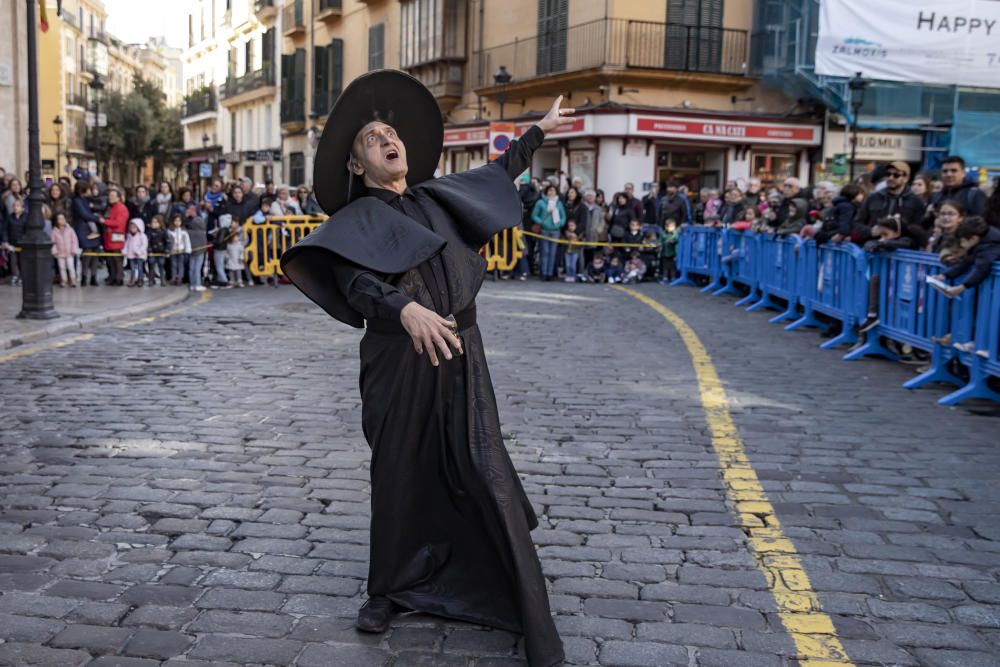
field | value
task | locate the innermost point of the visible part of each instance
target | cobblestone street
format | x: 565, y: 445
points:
x: 193, y: 489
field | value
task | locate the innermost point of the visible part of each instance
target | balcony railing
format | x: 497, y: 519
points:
x: 200, y: 101
x: 292, y: 19
x: 322, y: 101
x: 251, y: 81
x: 76, y: 100
x: 293, y: 110
x: 327, y: 8
x: 617, y: 43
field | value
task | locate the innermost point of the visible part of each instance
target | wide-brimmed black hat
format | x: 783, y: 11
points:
x: 390, y: 96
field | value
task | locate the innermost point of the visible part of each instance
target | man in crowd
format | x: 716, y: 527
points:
x: 894, y: 199
x: 791, y: 189
x: 960, y: 187
x: 674, y: 206
x: 634, y: 205
x: 650, y: 205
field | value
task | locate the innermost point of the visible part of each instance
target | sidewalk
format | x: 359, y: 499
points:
x: 80, y: 307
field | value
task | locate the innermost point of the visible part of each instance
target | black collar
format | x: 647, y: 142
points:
x: 385, y: 195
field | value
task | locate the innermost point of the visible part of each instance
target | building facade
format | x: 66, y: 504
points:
x: 13, y: 92
x: 662, y: 88
x: 231, y: 106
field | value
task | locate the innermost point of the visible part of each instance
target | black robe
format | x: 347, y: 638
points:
x: 450, y: 529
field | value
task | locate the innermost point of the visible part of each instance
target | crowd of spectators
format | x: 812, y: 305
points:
x: 146, y: 236
x: 635, y: 239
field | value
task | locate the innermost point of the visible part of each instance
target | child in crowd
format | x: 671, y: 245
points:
x: 597, y: 270
x: 651, y: 253
x: 950, y: 215
x: 10, y: 238
x: 263, y: 240
x: 135, y: 250
x: 572, y: 256
x: 888, y: 236
x: 797, y: 211
x: 158, y: 243
x: 234, y: 254
x: 668, y: 252
x: 180, y: 248
x: 981, y: 244
x: 65, y: 248
x: 635, y: 269
x: 634, y: 233
x: 614, y: 272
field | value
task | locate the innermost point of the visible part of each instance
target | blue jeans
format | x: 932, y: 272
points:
x: 219, y: 260
x: 548, y: 253
x: 572, y: 264
x: 194, y: 270
x: 176, y: 266
x: 137, y: 267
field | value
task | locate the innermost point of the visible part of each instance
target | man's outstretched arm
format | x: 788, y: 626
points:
x: 517, y: 157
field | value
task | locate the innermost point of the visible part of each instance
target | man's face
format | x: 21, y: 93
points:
x: 952, y: 174
x: 216, y: 186
x: 140, y: 192
x: 245, y: 186
x: 379, y: 153
x: 672, y: 190
x: 895, y: 179
x: 755, y: 185
x: 790, y: 189
x: 629, y: 189
x: 590, y: 198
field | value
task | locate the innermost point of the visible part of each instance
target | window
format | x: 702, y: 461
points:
x: 773, y: 168
x: 248, y: 58
x: 293, y: 86
x: 431, y: 30
x: 232, y: 130
x: 552, y: 23
x: 694, y: 35
x: 376, y: 46
x: 328, y: 75
x: 296, y: 169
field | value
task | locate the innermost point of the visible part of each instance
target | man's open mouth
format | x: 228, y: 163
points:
x: 392, y: 155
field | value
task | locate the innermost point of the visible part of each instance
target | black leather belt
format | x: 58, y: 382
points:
x: 464, y: 319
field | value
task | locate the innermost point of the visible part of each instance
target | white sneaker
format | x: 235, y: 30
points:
x: 199, y: 288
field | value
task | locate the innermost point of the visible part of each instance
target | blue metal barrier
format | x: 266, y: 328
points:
x: 699, y: 252
x: 778, y: 276
x: 739, y: 265
x: 978, y: 322
x: 833, y: 283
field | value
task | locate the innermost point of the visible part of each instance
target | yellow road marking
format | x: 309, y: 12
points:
x: 205, y: 296
x: 811, y: 629
x: 35, y: 349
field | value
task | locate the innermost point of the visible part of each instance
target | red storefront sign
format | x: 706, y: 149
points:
x: 467, y: 136
x: 724, y: 130
x: 578, y: 125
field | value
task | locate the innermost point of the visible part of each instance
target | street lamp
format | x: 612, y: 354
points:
x: 58, y: 122
x: 97, y: 86
x: 857, y: 87
x: 36, y: 246
x: 502, y: 78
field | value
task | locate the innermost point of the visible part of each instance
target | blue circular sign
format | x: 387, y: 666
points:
x: 501, y: 143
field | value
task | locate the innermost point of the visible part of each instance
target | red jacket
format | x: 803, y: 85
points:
x: 115, y: 225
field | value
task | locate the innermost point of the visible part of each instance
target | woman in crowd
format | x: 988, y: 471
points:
x: 59, y: 201
x: 164, y: 201
x: 87, y: 225
x: 550, y: 215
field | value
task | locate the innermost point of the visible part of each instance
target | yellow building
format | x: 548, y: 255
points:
x: 662, y: 87
x: 13, y: 89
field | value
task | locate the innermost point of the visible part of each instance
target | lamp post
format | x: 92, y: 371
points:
x: 58, y: 122
x: 857, y: 87
x: 502, y: 78
x: 97, y: 86
x: 36, y: 247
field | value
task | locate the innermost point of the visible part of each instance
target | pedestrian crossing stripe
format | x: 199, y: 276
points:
x: 812, y: 630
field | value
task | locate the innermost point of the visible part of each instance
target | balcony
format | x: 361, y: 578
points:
x: 248, y: 87
x: 325, y: 10
x: 70, y: 18
x: 76, y: 100
x: 622, y: 49
x: 293, y: 111
x: 444, y: 78
x: 292, y: 21
x: 265, y: 10
x: 322, y: 101
x: 202, y: 101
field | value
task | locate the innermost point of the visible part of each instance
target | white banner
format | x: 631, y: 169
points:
x: 922, y: 41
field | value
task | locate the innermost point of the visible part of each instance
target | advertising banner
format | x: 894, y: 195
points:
x: 921, y: 41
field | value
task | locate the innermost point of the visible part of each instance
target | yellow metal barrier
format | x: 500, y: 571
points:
x: 266, y: 242
x: 504, y: 250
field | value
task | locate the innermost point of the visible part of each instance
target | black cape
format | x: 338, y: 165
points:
x: 450, y: 529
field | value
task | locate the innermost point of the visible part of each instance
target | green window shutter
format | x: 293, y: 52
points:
x: 321, y: 103
x: 336, y: 72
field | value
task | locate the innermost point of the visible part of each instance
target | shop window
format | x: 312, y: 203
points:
x: 773, y: 168
x: 297, y: 169
x: 460, y: 162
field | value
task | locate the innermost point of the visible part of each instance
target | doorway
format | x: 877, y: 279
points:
x: 694, y: 168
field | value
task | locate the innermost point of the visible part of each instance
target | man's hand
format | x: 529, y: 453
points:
x: 952, y: 292
x: 554, y: 118
x: 429, y: 330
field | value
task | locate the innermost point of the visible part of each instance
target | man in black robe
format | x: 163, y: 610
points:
x: 450, y: 528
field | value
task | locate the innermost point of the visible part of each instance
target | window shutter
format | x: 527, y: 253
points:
x: 287, y: 83
x: 267, y: 49
x: 376, y: 46
x: 336, y: 72
x: 320, y: 66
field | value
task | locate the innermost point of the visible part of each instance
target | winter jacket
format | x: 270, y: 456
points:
x: 542, y: 216
x: 979, y: 258
x: 144, y: 210
x: 115, y: 227
x: 13, y: 231
x: 61, y: 205
x: 882, y: 204
x: 668, y: 244
x: 241, y: 211
x: 64, y: 242
x: 136, y: 245
x: 967, y: 193
x: 199, y: 236
x: 158, y: 241
x: 838, y: 219
x: 179, y: 241
x: 676, y: 208
x: 84, y: 223
x: 590, y: 222
x: 651, y: 209
x: 794, y: 225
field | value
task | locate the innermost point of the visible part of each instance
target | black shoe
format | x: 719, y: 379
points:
x: 93, y: 281
x: 375, y: 614
x: 870, y: 323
